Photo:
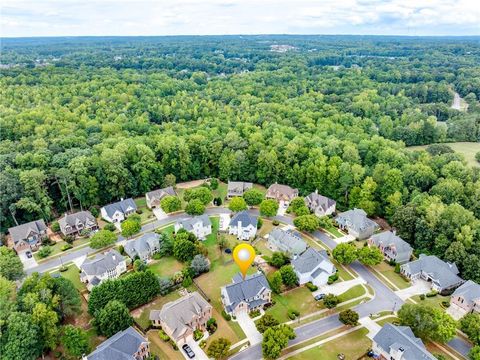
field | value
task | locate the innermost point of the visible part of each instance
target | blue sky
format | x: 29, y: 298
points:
x: 183, y: 17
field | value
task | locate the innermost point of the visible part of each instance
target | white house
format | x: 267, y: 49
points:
x: 313, y: 266
x: 243, y: 226
x: 104, y: 266
x: 117, y: 212
x: 200, y: 226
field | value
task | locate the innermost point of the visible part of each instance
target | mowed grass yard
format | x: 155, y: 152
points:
x: 73, y: 274
x: 389, y: 272
x: 299, y: 299
x: 434, y: 301
x: 147, y: 214
x: 352, y: 345
x: 166, y: 266
x: 467, y: 149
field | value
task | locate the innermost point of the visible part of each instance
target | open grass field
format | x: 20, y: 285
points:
x: 389, y: 272
x: 352, y: 345
x: 166, y: 266
x: 467, y: 149
x: 299, y: 299
x: 352, y: 293
x: 434, y: 301
x: 73, y: 275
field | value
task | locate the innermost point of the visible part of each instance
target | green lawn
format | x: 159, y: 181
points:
x: 221, y: 191
x: 434, y: 301
x: 389, y: 319
x: 389, y: 272
x: 266, y: 228
x: 334, y: 231
x: 299, y: 299
x: 169, y: 230
x: 161, y: 348
x: 467, y: 149
x: 147, y: 214
x: 352, y: 345
x: 342, y: 273
x: 166, y: 266
x: 73, y: 275
x: 352, y: 293
x: 262, y: 248
x: 142, y: 316
x: 57, y: 248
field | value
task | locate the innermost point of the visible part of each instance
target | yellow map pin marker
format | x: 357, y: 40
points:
x: 244, y: 254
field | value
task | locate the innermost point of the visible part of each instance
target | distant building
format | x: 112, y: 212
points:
x: 154, y: 198
x: 28, y: 236
x: 392, y: 246
x: 104, y: 266
x: 467, y: 297
x: 442, y: 275
x: 74, y: 224
x: 313, y: 266
x: 180, y: 318
x: 399, y: 343
x: 288, y: 241
x: 200, y: 226
x: 144, y: 247
x: 119, y: 211
x: 320, y: 205
x: 356, y: 223
x: 282, y: 193
x: 245, y: 295
x: 237, y: 188
x: 124, y: 345
x: 243, y: 225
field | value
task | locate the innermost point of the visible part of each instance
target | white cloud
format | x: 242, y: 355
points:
x: 170, y: 17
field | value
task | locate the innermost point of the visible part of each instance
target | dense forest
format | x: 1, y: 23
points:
x: 98, y: 119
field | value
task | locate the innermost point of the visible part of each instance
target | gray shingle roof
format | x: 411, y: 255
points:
x: 288, y: 241
x: 279, y: 191
x: 187, y: 224
x: 310, y: 260
x: 470, y: 291
x: 315, y: 201
x: 101, y: 263
x: 159, y: 194
x: 121, y: 206
x: 443, y: 274
x: 245, y: 218
x: 179, y: 313
x: 242, y: 290
x: 81, y: 217
x: 238, y: 187
x: 388, y: 239
x: 21, y: 232
x: 356, y: 219
x: 121, y: 346
x: 143, y: 245
x: 402, y: 337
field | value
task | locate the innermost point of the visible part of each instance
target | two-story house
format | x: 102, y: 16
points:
x: 313, y: 266
x: 357, y: 223
x: 467, y: 297
x: 74, y: 224
x: 287, y: 241
x: 144, y: 247
x: 245, y: 295
x: 237, y: 188
x: 28, y: 236
x: 243, y: 225
x: 119, y: 211
x: 124, y: 345
x: 392, y: 246
x: 154, y: 197
x: 442, y: 275
x: 284, y: 194
x: 104, y: 266
x: 180, y: 318
x: 320, y: 205
x: 200, y: 226
x: 399, y: 343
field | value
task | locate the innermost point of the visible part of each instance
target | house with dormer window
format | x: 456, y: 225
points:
x: 28, y: 236
x: 104, y: 266
x: 74, y: 224
x: 393, y: 247
x: 119, y: 211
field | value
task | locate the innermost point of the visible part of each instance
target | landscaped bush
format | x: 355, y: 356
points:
x: 197, y: 335
x: 217, y: 201
x: 213, y: 183
x: 275, y: 222
x: 311, y: 287
x: 95, y: 212
x: 446, y: 303
x: 254, y: 313
x: 139, y: 211
x: 422, y: 296
x: 69, y: 239
x: 259, y: 223
x: 174, y: 346
x: 391, y: 262
x: 332, y: 279
x: 163, y: 335
x: 44, y: 251
x: 202, y: 344
x: 226, y: 316
x: 293, y: 314
x: 397, y: 268
x: 330, y: 301
x: 110, y: 227
x: 66, y: 247
x: 55, y: 226
x: 432, y: 293
x: 348, y: 317
x: 63, y: 268
x: 156, y: 256
x: 212, y: 325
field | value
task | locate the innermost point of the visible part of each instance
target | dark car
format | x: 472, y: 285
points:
x: 188, y: 350
x: 228, y: 251
x: 319, y: 297
x: 29, y: 254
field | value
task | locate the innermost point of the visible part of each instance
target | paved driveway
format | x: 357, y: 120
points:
x: 419, y: 287
x: 340, y: 287
x: 282, y: 208
x: 159, y: 213
x: 224, y: 222
x: 249, y: 328
x: 455, y: 311
x: 372, y: 327
x: 199, y: 353
x: 28, y: 263
x: 345, y: 239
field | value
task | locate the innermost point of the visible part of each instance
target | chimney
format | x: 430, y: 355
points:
x: 121, y: 199
x: 316, y: 191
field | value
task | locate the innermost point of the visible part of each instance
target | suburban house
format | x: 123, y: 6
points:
x: 243, y: 225
x: 467, y: 297
x: 313, y: 266
x: 73, y: 224
x: 118, y: 211
x: 104, y: 266
x: 237, y: 188
x: 392, y: 246
x: 245, y: 295
x: 124, y: 345
x: 282, y: 193
x: 287, y: 241
x: 356, y: 223
x: 144, y: 247
x: 155, y: 197
x: 28, y: 236
x: 443, y: 275
x: 320, y: 205
x: 180, y: 318
x: 399, y: 343
x: 200, y: 226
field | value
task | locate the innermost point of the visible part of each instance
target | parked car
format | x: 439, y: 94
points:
x: 29, y: 254
x: 319, y: 297
x: 228, y: 251
x: 188, y: 350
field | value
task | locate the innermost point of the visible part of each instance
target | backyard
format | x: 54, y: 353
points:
x: 166, y: 266
x: 73, y: 275
x: 147, y: 214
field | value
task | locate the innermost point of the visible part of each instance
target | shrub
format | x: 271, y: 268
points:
x: 446, y: 303
x: 66, y: 247
x: 332, y: 279
x: 197, y: 335
x: 254, y: 313
x: 121, y: 250
x: 162, y: 335
x: 331, y: 301
x: 69, y: 239
x: 217, y: 201
x: 311, y: 287
x: 293, y: 314
x: 391, y: 262
x: 109, y: 227
x: 202, y: 344
x: 212, y: 325
x: 94, y: 212
x: 226, y: 316
x: 156, y: 256
x: 213, y: 183
x: 63, y: 268
x: 55, y: 226
x: 432, y: 293
x: 259, y: 223
x: 422, y: 296
x: 348, y: 317
x: 275, y: 222
x: 44, y: 251
x: 397, y: 268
